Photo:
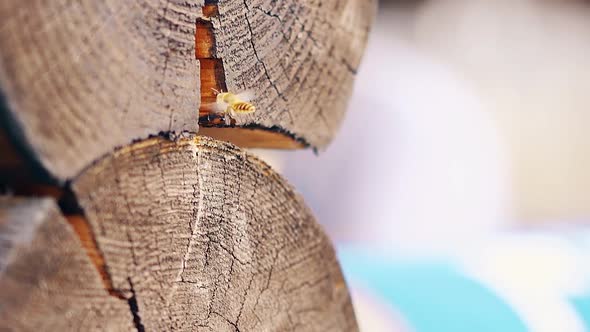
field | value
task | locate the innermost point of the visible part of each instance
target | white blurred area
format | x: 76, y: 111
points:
x: 468, y: 117
x: 529, y: 62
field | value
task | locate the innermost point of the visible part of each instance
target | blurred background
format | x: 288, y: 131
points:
x: 458, y: 190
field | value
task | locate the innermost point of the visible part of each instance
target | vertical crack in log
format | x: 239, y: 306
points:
x: 135, y: 308
x: 212, y: 71
x: 210, y: 8
x: 75, y: 216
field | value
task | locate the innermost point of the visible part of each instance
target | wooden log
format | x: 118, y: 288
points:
x: 79, y: 78
x: 47, y: 281
x: 300, y: 57
x: 207, y: 237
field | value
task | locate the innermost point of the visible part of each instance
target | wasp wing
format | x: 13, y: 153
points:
x: 246, y: 95
x: 216, y: 107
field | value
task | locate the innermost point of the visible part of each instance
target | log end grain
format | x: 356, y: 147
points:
x: 203, y: 234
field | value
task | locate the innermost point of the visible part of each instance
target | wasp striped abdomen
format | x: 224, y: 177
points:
x: 243, y: 107
x: 233, y: 104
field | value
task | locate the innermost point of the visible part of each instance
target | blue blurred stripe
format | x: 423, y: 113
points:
x: 582, y: 305
x: 432, y: 296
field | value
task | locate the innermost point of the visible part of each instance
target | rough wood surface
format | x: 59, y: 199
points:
x: 206, y: 237
x: 80, y: 78
x: 47, y: 282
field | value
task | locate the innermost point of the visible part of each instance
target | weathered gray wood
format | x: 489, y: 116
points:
x: 47, y: 282
x: 207, y: 237
x: 83, y: 77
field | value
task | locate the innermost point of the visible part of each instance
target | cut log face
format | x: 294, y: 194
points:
x: 47, y: 282
x: 204, y: 236
x: 83, y: 77
x: 299, y: 57
x: 80, y: 78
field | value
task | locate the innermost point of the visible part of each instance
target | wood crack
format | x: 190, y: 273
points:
x: 266, y: 73
x: 193, y: 224
x: 234, y: 325
x: 133, y: 306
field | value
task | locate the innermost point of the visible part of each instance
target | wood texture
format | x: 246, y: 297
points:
x: 47, y: 282
x: 299, y: 57
x: 80, y: 78
x: 206, y: 237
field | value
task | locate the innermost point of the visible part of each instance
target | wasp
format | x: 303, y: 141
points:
x: 233, y: 103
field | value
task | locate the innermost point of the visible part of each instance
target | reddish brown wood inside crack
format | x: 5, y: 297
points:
x: 212, y: 73
x: 210, y: 10
x: 84, y: 232
x: 212, y: 77
x: 204, y: 41
x: 252, y: 138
